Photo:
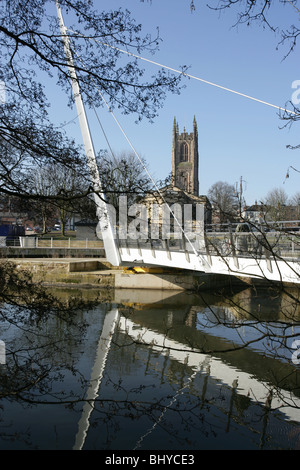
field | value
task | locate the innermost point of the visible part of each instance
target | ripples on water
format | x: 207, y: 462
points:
x: 153, y: 370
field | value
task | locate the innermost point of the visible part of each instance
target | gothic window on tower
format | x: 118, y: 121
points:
x: 184, y: 152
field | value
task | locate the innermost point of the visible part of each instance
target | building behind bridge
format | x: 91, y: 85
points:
x: 184, y: 187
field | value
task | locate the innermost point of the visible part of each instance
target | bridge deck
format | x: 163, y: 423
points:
x: 275, y: 256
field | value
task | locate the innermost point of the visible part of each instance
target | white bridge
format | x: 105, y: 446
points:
x: 273, y: 257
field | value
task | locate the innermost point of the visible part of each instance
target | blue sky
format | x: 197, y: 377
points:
x: 237, y: 137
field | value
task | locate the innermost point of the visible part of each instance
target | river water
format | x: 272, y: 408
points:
x: 152, y: 370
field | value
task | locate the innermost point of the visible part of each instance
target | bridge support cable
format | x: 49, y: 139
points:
x: 172, y: 69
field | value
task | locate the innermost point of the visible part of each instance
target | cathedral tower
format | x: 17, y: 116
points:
x: 185, y: 159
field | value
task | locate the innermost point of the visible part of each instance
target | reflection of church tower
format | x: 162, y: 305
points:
x: 185, y: 159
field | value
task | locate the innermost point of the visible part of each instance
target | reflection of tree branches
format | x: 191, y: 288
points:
x: 32, y: 302
x: 275, y: 330
x: 32, y: 366
x: 109, y: 413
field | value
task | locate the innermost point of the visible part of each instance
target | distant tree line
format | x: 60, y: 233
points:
x: 276, y: 204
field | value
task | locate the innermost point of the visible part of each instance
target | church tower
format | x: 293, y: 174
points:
x: 185, y: 159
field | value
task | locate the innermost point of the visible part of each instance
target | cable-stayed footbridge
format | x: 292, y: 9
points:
x: 273, y: 256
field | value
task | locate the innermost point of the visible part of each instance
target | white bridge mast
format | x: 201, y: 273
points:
x: 111, y: 249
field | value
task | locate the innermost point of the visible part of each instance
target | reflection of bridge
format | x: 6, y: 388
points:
x: 247, y: 384
x: 243, y: 374
x: 214, y: 254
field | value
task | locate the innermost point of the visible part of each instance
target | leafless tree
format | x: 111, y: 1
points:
x: 222, y: 196
x: 31, y: 47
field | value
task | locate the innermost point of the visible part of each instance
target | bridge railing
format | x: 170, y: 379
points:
x: 256, y: 243
x: 50, y: 242
x: 248, y: 244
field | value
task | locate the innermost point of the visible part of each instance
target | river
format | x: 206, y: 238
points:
x: 152, y: 370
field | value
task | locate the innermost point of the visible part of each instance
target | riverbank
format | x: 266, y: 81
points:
x: 97, y: 272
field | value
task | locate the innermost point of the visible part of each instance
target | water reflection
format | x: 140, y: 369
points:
x: 154, y: 370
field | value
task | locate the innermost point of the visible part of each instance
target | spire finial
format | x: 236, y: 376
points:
x: 195, y: 125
